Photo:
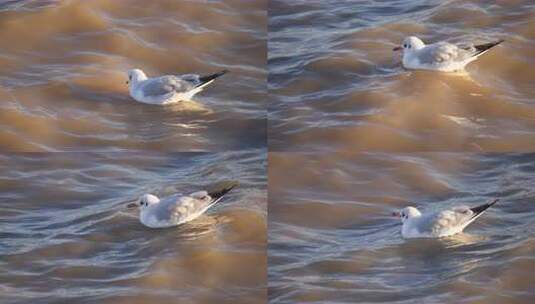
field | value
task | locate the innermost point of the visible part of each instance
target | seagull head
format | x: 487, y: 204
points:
x: 410, y: 44
x: 135, y: 76
x: 144, y: 201
x: 407, y: 213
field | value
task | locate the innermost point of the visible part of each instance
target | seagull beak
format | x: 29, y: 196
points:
x: 396, y: 214
x: 397, y: 48
x: 131, y: 205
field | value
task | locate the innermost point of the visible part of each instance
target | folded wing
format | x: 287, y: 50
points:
x: 448, y: 221
x: 181, y: 209
x: 165, y: 85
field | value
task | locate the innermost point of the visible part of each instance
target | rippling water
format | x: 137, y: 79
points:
x: 63, y: 65
x: 67, y: 237
x: 332, y: 239
x: 318, y: 83
x: 336, y: 84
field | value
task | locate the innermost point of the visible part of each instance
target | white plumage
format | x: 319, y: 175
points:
x: 167, y: 89
x: 440, y: 56
x: 438, y: 224
x: 177, y: 209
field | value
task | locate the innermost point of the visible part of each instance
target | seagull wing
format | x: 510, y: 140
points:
x: 451, y: 221
x: 180, y: 209
x: 476, y: 50
x: 164, y: 85
x: 443, y: 222
x: 439, y: 53
x: 198, y: 81
x: 459, y: 217
x: 192, y: 79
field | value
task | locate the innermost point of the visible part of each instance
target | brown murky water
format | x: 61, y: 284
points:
x: 63, y: 65
x: 67, y: 237
x: 352, y: 137
x: 336, y: 84
x: 332, y: 238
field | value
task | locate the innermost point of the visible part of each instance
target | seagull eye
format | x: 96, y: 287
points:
x: 405, y: 46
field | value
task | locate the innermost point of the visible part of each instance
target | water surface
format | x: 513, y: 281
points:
x: 335, y: 83
x: 63, y: 70
x: 332, y: 238
x: 67, y: 236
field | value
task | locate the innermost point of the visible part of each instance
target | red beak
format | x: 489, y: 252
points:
x: 397, y: 48
x: 396, y: 214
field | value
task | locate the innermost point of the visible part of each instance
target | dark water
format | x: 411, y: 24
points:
x: 332, y: 238
x: 67, y: 237
x: 63, y: 70
x: 335, y: 83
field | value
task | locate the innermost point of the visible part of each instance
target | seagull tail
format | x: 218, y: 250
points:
x: 216, y: 195
x: 479, y: 209
x: 482, y: 48
x: 204, y: 80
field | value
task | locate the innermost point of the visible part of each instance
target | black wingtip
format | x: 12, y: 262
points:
x: 484, y: 47
x: 477, y: 210
x: 217, y: 194
x: 208, y: 78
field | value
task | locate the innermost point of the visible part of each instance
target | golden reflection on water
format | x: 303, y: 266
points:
x: 332, y: 238
x: 343, y: 89
x: 62, y: 87
x: 67, y: 234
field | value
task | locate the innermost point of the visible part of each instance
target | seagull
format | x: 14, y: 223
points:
x: 167, y: 89
x: 438, y: 224
x: 176, y: 210
x: 440, y: 56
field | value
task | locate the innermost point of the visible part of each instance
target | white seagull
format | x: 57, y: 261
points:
x: 438, y: 224
x: 167, y: 89
x: 440, y: 56
x: 176, y: 210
